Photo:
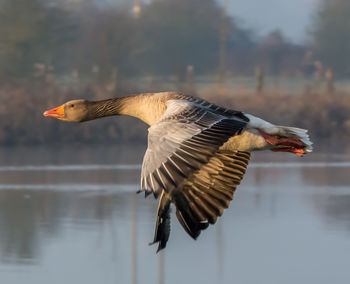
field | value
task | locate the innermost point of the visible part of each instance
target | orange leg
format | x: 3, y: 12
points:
x: 284, y: 144
x: 297, y: 151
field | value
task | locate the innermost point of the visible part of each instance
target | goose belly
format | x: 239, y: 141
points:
x: 249, y: 140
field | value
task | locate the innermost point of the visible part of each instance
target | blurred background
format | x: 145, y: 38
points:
x: 68, y: 208
x: 289, y: 57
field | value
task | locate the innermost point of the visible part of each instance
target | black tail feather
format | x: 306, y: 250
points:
x: 162, y: 230
x: 192, y: 228
x: 189, y: 215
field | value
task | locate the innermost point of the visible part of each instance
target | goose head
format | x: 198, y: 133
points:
x: 72, y: 111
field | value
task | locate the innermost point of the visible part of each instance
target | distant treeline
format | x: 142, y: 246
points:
x: 22, y: 123
x: 97, y: 40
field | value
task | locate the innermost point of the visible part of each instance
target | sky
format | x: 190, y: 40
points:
x: 292, y: 17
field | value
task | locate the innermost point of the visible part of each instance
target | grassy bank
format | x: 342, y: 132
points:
x: 21, y: 122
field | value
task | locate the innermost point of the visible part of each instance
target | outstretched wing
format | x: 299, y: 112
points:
x: 181, y: 142
x: 204, y: 196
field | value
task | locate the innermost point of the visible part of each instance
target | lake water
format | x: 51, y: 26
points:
x: 72, y: 216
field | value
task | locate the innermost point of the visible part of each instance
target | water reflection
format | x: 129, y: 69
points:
x: 58, y: 221
x: 18, y: 222
x: 336, y: 210
x: 28, y: 216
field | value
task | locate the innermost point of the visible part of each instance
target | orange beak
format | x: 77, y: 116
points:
x: 57, y: 112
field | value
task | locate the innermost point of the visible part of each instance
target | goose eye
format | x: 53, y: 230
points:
x: 72, y: 105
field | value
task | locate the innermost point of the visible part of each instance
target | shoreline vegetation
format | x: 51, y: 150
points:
x: 325, y: 115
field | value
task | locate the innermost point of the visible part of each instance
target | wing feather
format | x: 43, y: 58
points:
x: 181, y: 142
x: 208, y: 192
x: 202, y: 198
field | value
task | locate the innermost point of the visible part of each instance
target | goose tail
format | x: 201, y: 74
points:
x: 288, y: 139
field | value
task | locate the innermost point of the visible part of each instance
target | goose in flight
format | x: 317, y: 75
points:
x: 197, y: 151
